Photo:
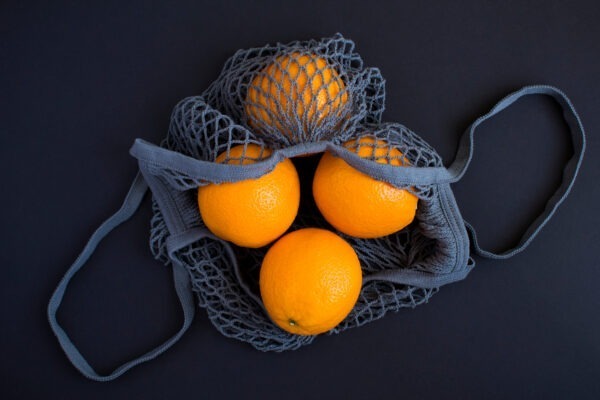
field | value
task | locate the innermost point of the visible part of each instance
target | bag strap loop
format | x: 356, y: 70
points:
x: 465, y: 154
x: 180, y: 277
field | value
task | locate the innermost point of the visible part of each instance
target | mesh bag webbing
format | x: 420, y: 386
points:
x: 224, y: 276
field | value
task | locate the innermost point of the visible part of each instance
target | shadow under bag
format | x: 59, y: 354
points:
x: 401, y: 270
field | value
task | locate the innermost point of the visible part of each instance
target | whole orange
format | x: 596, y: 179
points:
x: 295, y: 91
x: 252, y: 212
x: 356, y: 204
x: 310, y: 280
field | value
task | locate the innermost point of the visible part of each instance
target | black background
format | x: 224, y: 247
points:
x: 81, y: 80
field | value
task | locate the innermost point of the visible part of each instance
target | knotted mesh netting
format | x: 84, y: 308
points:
x: 289, y: 97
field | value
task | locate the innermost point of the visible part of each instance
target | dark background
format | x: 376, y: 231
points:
x: 81, y: 80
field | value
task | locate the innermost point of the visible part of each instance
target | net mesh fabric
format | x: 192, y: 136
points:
x: 233, y: 111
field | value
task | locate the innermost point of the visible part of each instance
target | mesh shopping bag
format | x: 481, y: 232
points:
x: 299, y: 99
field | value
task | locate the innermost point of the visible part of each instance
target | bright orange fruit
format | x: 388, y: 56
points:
x: 310, y: 280
x: 356, y: 204
x: 294, y: 88
x: 253, y: 212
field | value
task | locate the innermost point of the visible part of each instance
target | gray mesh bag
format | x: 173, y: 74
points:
x: 298, y: 99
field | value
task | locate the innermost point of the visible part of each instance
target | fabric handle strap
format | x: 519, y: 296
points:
x: 180, y: 276
x: 465, y: 154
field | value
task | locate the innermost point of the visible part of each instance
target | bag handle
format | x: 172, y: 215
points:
x: 180, y: 277
x: 465, y: 154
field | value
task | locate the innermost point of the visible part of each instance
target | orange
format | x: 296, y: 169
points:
x: 252, y: 212
x: 356, y: 204
x: 296, y: 91
x: 310, y: 280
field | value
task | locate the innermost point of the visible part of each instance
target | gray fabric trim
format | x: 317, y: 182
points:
x: 571, y: 169
x: 180, y: 278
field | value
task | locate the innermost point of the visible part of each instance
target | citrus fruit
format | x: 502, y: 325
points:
x: 252, y: 212
x: 295, y: 91
x: 310, y: 280
x: 356, y: 204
